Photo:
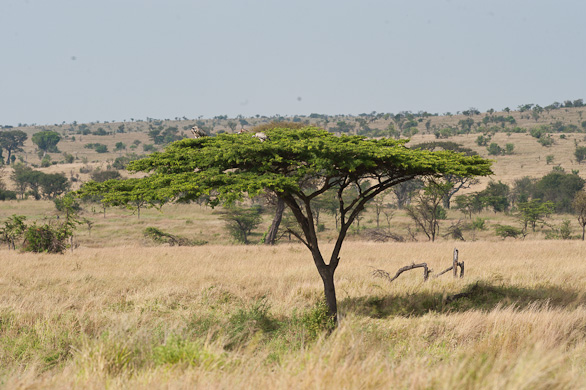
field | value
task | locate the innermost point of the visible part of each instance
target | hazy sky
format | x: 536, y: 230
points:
x: 88, y: 60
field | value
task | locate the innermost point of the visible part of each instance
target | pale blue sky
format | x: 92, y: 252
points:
x: 87, y: 60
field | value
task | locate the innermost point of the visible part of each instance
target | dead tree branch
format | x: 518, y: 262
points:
x: 379, y: 273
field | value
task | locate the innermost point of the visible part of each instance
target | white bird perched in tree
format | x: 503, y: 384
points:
x: 197, y: 132
x: 261, y: 136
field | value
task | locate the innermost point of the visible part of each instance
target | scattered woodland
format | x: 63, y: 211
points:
x: 122, y: 294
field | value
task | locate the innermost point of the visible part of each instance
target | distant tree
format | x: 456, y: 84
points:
x: 119, y: 146
x: 20, y: 178
x: 505, y: 231
x: 580, y: 153
x: 427, y: 212
x: 68, y: 158
x: 496, y: 195
x: 47, y: 141
x: 53, y: 184
x: 101, y: 148
x: 102, y: 176
x: 536, y: 112
x: 523, y: 189
x: 241, y: 221
x: 456, y: 182
x: 533, y: 212
x: 560, y: 188
x: 469, y: 204
x: 162, y: 136
x: 12, y: 141
x: 495, y: 150
x: 232, y: 125
x: 100, y: 131
x: 579, y: 205
x: 404, y: 191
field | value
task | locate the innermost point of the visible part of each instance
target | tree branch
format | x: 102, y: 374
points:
x: 379, y: 273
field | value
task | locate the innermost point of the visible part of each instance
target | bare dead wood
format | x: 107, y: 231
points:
x: 454, y: 267
x: 379, y: 273
x: 455, y: 263
x: 380, y: 235
x: 444, y: 271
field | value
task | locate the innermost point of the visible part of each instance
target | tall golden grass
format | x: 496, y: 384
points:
x: 241, y: 317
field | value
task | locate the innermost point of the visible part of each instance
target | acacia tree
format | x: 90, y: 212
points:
x: 426, y: 212
x: 297, y: 166
x: 12, y: 141
x: 47, y: 141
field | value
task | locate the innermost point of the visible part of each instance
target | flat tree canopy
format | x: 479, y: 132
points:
x: 297, y: 165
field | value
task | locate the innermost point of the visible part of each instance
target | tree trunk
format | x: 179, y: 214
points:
x: 327, y: 276
x: 274, y: 229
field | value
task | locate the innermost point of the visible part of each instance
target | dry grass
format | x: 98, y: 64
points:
x: 131, y: 317
x: 121, y: 313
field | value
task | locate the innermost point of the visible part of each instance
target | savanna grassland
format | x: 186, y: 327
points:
x: 121, y: 312
x: 247, y: 316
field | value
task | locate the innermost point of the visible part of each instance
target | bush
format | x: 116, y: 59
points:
x: 479, y: 223
x: 546, y: 141
x: 246, y: 322
x: 580, y: 153
x: 46, y: 161
x: 317, y: 320
x: 162, y: 237
x: 102, y: 176
x: 495, y: 150
x: 100, y: 148
x: 505, y: 231
x: 46, y: 238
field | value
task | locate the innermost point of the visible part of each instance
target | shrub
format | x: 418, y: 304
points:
x: 479, y: 223
x: 246, y: 322
x: 545, y: 141
x: 580, y: 153
x: 46, y: 161
x: 495, y: 150
x: 162, y: 237
x: 317, y: 320
x: 505, y: 231
x: 101, y: 148
x: 13, y: 229
x: 45, y: 238
x: 102, y: 176
x: 68, y: 158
